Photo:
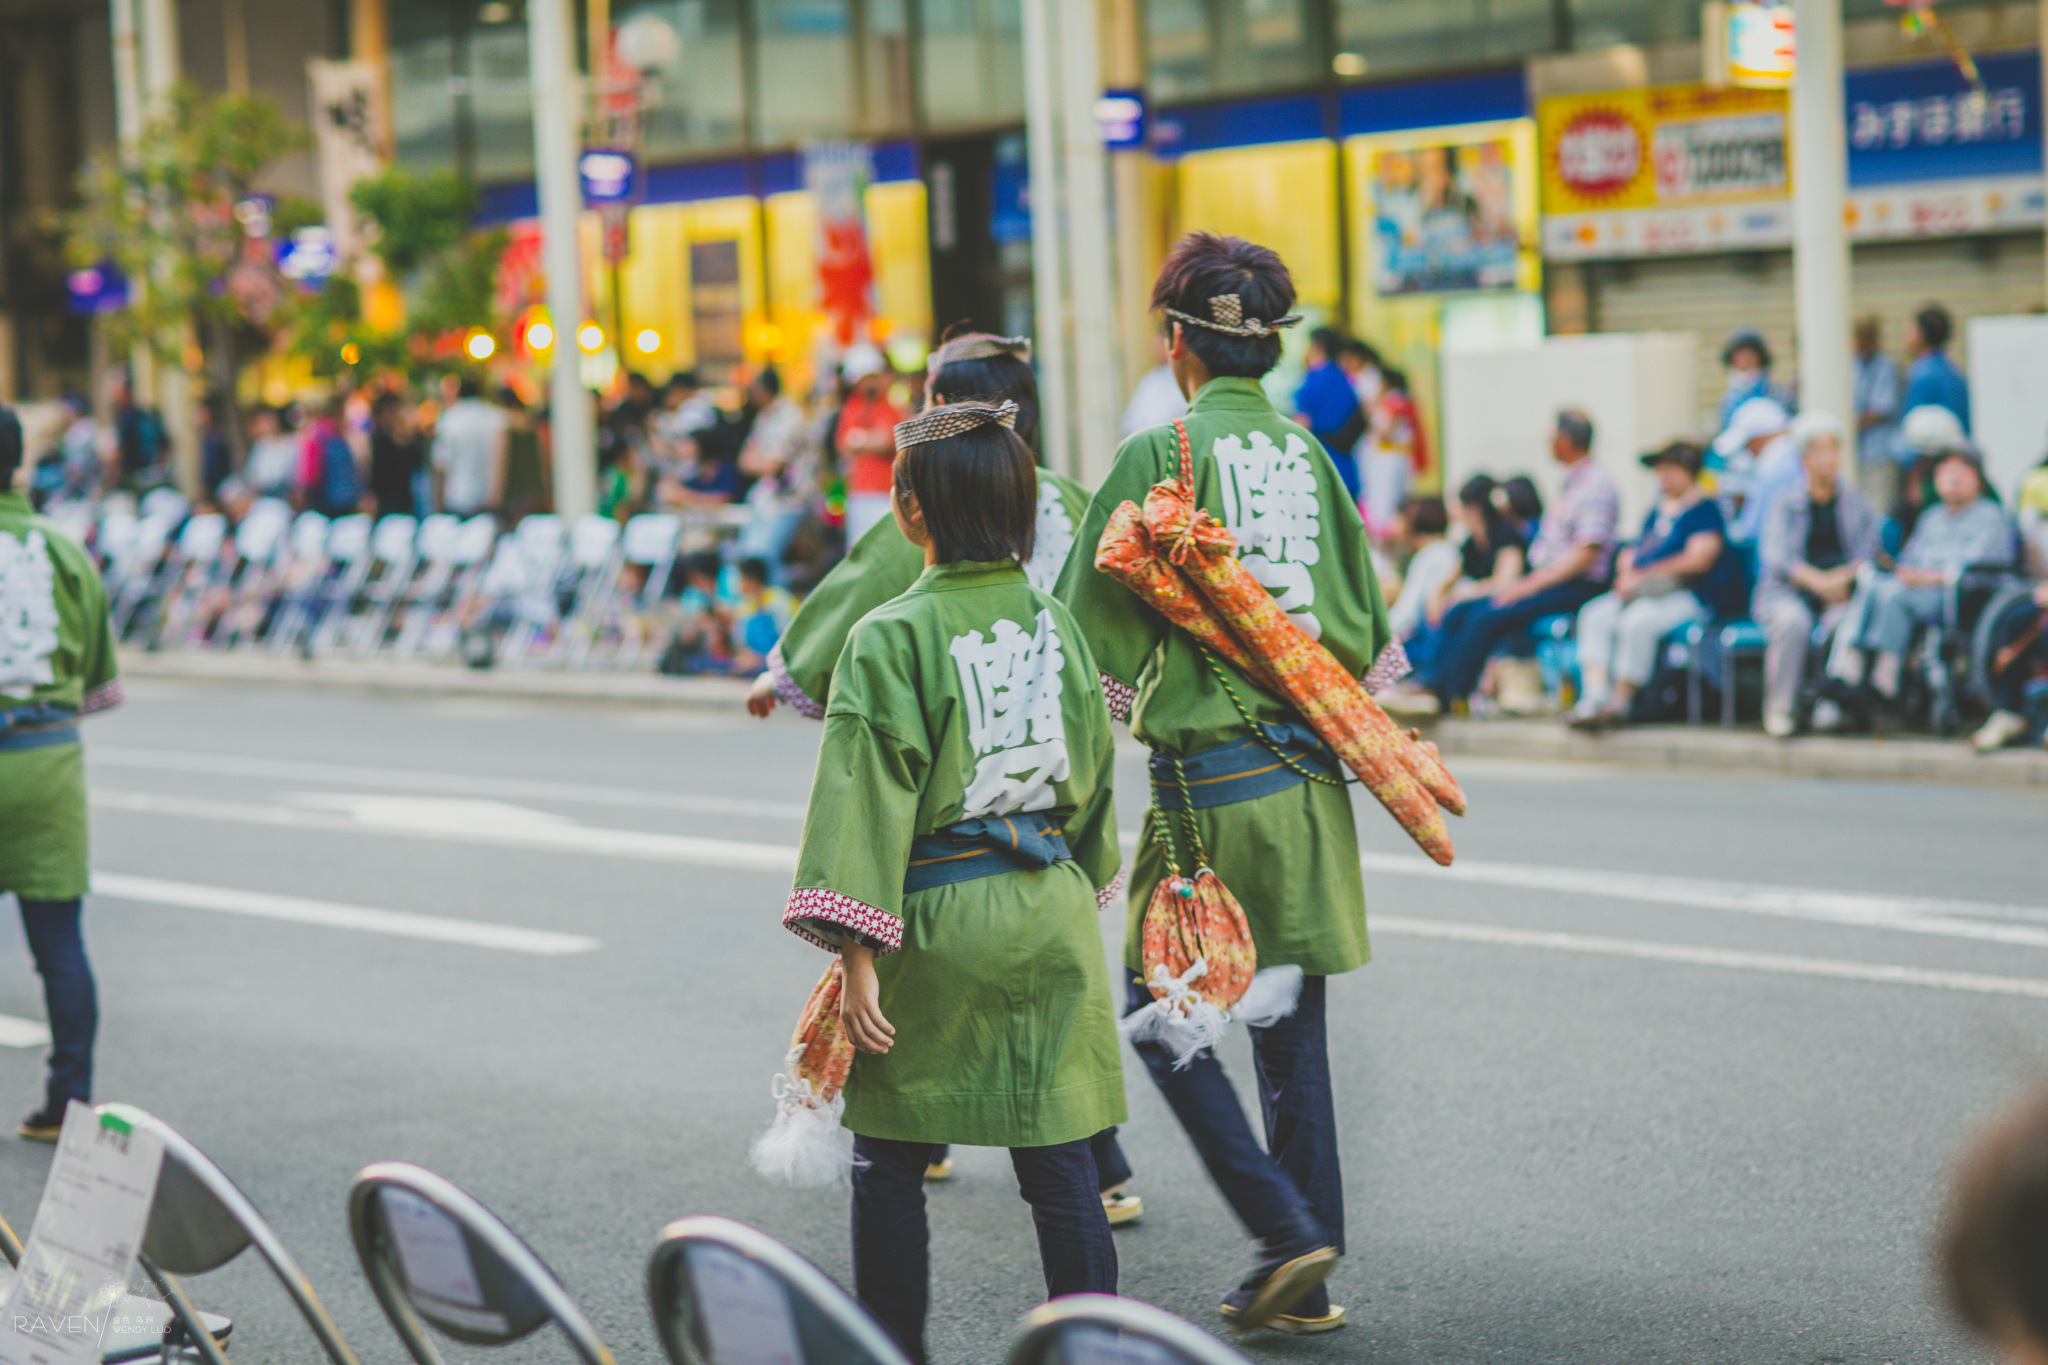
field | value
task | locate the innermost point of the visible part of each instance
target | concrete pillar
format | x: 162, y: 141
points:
x: 1820, y: 233
x: 1135, y: 198
x: 1098, y: 396
x: 557, y: 127
x: 128, y: 120
x: 162, y: 67
x: 1049, y: 334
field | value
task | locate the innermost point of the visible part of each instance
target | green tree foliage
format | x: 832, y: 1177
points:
x: 418, y: 217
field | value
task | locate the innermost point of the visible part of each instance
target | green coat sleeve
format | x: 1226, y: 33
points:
x: 1121, y: 631
x: 877, y: 570
x: 872, y: 770
x: 99, y: 667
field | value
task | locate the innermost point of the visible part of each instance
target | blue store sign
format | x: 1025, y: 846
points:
x: 1924, y: 122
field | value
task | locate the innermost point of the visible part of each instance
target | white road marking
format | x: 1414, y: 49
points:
x: 18, y: 1032
x: 1712, y: 957
x: 460, y: 822
x: 406, y: 779
x: 330, y: 914
x: 1908, y: 914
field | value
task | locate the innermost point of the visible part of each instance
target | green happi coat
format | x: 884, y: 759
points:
x: 1290, y: 858
x: 55, y: 650
x: 970, y: 695
x: 880, y: 566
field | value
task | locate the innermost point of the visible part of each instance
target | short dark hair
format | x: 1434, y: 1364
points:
x: 755, y: 567
x: 683, y: 379
x: 1524, y: 502
x: 978, y: 492
x: 1994, y: 1242
x: 1575, y: 427
x: 1328, y: 339
x: 1426, y: 516
x: 1936, y: 326
x: 1203, y: 265
x: 634, y: 377
x: 469, y: 386
x: 1362, y: 351
x: 769, y: 379
x: 1394, y: 379
x: 1477, y: 491
x: 704, y: 562
x: 10, y: 447
x: 993, y: 379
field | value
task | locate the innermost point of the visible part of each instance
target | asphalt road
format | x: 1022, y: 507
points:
x: 1637, y: 1083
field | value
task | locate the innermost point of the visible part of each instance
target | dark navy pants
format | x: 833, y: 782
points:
x: 1472, y: 630
x: 69, y: 995
x: 892, y: 1240
x: 1290, y: 1193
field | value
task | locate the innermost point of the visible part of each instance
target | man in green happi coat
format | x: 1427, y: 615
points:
x: 56, y: 664
x: 1278, y: 833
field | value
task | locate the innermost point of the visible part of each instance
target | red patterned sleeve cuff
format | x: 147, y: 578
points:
x: 1106, y: 896
x: 795, y: 697
x: 105, y: 697
x: 1118, y: 696
x: 826, y: 917
x: 1389, y: 668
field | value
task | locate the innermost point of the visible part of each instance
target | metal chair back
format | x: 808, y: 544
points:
x: 199, y: 1221
x: 1101, y: 1329
x: 725, y: 1294
x: 436, y: 1257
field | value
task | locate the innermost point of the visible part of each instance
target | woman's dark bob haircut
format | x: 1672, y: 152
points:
x: 1993, y: 1250
x: 993, y: 378
x: 1203, y: 265
x: 978, y: 492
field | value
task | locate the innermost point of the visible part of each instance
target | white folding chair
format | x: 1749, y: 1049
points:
x: 436, y: 1257
x: 590, y: 574
x: 723, y: 1293
x: 649, y: 543
x: 394, y: 550
x: 298, y: 587
x: 149, y: 572
x: 543, y: 542
x: 439, y: 540
x: 200, y: 565
x: 348, y: 565
x: 440, y: 629
x: 262, y: 551
x: 1102, y: 1329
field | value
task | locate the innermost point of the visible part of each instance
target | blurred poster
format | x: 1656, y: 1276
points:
x: 352, y: 136
x: 838, y: 174
x: 1444, y: 218
x: 716, y: 309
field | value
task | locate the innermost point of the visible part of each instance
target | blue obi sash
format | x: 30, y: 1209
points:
x: 1028, y: 842
x: 1242, y: 769
x: 38, y: 725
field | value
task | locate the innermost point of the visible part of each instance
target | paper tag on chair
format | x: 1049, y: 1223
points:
x: 82, y: 1246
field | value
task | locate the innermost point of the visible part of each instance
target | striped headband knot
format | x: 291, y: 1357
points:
x: 978, y: 346
x: 954, y: 419
x: 1226, y: 314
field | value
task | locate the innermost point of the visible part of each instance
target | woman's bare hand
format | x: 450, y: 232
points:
x: 860, y: 1009
x: 761, y: 698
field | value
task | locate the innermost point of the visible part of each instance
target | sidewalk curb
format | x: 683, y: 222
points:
x: 1702, y: 748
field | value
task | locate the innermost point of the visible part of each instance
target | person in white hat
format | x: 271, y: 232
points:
x: 1753, y: 439
x: 864, y: 438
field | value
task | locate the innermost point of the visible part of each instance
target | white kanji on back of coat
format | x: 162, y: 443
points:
x: 1052, y: 538
x: 1270, y: 505
x: 1010, y: 679
x: 28, y: 613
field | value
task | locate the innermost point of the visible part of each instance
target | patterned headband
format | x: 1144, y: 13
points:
x: 954, y: 419
x: 1226, y: 314
x: 978, y: 346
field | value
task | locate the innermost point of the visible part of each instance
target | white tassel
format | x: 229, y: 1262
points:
x: 805, y: 1144
x: 1274, y: 994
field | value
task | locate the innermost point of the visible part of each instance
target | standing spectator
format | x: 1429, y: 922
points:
x: 328, y: 481
x: 79, y: 447
x: 1328, y: 406
x: 1569, y: 564
x: 470, y: 453
x: 1879, y: 405
x: 1679, y: 570
x: 216, y: 459
x: 1397, y: 450
x: 1157, y: 399
x: 56, y: 664
x: 1748, y: 363
x: 1815, y: 543
x: 1964, y: 528
x: 1932, y: 377
x: 864, y: 439
x: 527, y: 486
x: 141, y: 447
x: 395, y: 455
x: 273, y: 464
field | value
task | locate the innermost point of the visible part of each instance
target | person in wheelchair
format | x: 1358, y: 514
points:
x: 1817, y: 538
x: 1966, y: 528
x: 2018, y: 670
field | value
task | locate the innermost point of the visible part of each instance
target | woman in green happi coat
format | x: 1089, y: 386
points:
x: 959, y: 844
